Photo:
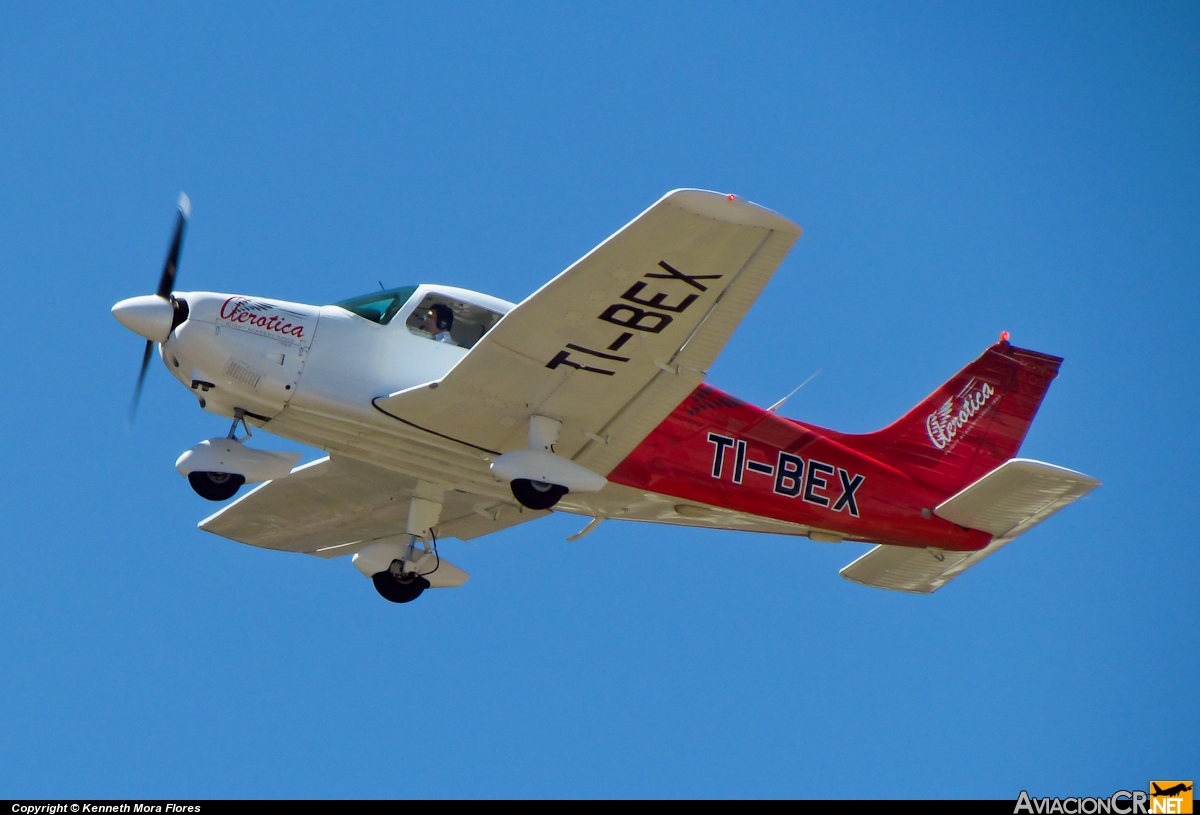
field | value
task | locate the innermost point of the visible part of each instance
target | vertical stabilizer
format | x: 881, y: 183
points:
x: 970, y: 425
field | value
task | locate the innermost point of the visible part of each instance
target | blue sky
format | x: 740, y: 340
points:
x: 959, y: 169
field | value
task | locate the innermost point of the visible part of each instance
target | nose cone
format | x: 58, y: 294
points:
x: 148, y: 316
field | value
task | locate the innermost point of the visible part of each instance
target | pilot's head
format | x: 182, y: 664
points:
x: 439, y: 318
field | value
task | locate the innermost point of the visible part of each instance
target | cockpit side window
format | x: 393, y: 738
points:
x: 451, y: 321
x: 378, y: 307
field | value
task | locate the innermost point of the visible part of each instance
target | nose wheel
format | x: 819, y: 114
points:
x: 397, y: 585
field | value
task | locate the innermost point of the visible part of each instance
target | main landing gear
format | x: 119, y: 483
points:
x: 537, y: 494
x: 216, y: 486
x: 401, y: 582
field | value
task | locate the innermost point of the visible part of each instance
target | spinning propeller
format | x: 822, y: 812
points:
x: 154, y: 316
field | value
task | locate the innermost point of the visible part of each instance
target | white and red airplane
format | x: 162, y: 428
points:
x: 451, y: 414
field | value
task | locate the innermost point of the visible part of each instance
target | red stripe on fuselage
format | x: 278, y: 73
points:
x: 678, y: 457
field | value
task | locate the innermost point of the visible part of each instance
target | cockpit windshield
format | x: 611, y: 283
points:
x: 378, y: 307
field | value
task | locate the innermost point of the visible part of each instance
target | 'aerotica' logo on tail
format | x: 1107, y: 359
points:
x: 958, y: 412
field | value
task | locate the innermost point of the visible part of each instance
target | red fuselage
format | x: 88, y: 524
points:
x: 880, y: 487
x: 720, y: 451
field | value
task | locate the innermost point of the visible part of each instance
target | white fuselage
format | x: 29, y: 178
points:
x: 261, y: 355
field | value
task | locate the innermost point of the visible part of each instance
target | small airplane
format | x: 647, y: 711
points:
x: 1169, y: 792
x: 447, y: 413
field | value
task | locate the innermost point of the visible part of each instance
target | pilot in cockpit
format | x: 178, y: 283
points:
x: 438, y: 321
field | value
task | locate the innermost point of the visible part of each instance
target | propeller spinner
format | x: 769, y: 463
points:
x: 154, y: 316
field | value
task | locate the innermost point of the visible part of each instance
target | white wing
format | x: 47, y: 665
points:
x: 336, y: 506
x: 613, y: 344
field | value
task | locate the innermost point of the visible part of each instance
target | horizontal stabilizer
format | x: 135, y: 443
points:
x: 1006, y: 502
x: 1015, y: 496
x: 903, y: 568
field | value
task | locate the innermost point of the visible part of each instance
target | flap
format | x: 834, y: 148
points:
x: 1015, y: 496
x: 335, y: 506
x: 631, y: 326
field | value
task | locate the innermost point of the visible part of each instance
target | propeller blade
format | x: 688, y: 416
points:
x: 166, y: 283
x: 137, y: 391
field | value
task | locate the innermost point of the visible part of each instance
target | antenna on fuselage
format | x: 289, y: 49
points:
x: 779, y: 404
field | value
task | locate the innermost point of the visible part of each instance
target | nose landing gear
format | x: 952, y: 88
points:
x: 402, y: 582
x: 397, y: 585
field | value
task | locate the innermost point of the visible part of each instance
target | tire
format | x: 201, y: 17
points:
x: 537, y: 494
x: 392, y: 589
x: 216, y: 486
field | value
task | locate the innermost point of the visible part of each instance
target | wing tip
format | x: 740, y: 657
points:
x: 729, y: 208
